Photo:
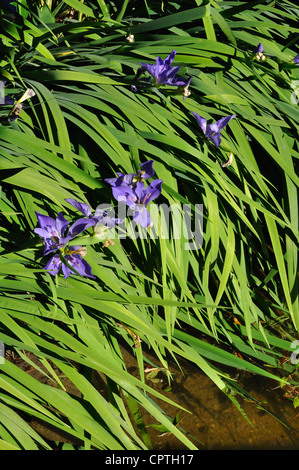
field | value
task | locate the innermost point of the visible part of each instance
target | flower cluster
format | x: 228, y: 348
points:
x: 164, y: 74
x: 101, y: 220
x: 67, y: 259
x: 128, y: 188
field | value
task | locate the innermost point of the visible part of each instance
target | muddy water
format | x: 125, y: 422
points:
x: 213, y: 422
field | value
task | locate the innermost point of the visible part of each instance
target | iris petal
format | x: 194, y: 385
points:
x: 202, y: 122
x: 80, y: 206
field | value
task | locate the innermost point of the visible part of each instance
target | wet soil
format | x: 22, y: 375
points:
x: 212, y: 421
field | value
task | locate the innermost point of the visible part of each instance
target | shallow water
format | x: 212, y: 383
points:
x: 214, y: 422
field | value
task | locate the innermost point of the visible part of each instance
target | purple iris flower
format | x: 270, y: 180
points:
x: 100, y: 217
x: 147, y: 171
x: 212, y: 131
x: 73, y: 263
x: 137, y: 199
x: 53, y: 231
x: 296, y: 60
x: 55, y: 238
x: 163, y: 74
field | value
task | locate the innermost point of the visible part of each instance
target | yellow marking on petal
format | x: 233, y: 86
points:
x: 80, y: 251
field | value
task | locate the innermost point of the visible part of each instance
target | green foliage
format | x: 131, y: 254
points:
x: 239, y: 289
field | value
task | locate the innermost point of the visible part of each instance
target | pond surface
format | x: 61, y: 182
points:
x: 214, y: 422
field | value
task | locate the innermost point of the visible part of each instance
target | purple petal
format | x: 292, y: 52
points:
x: 99, y: 213
x: 223, y: 122
x: 180, y: 82
x: 215, y: 138
x: 80, y: 206
x: 142, y: 217
x: 78, y: 227
x: 153, y: 70
x: 112, y: 222
x: 124, y: 194
x: 45, y: 220
x: 79, y: 264
x: 147, y: 170
x: 66, y: 270
x: 217, y: 126
x: 107, y: 221
x: 128, y: 179
x: 114, y: 181
x: 50, y: 246
x: 140, y: 191
x: 161, y: 67
x: 169, y: 74
x: 188, y: 82
x: 169, y: 59
x: 259, y: 48
x: 121, y: 179
x: 61, y: 223
x: 63, y: 241
x: 152, y: 191
x: 202, y: 122
x: 296, y: 60
x: 42, y: 232
x: 54, y: 265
